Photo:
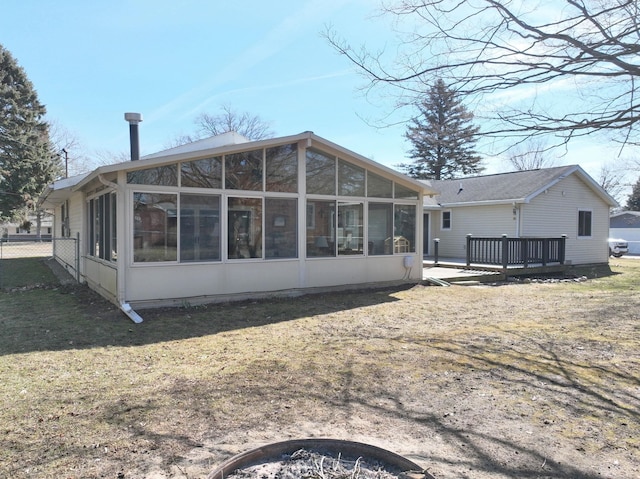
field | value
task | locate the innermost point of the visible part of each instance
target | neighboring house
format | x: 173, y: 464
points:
x: 626, y: 225
x: 548, y: 202
x: 26, y: 230
x: 225, y: 217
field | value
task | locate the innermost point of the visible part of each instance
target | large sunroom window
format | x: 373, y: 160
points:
x: 405, y: 193
x: 160, y: 176
x: 350, y: 228
x: 102, y: 227
x: 155, y: 225
x: 199, y: 228
x: 244, y: 223
x: 380, y: 229
x: 404, y: 225
x: 281, y: 228
x: 350, y: 179
x: 379, y: 187
x: 321, y: 230
x: 204, y: 173
x: 321, y: 173
x: 243, y: 171
x: 282, y: 168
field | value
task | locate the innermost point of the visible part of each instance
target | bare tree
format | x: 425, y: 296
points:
x: 498, y: 51
x: 108, y: 157
x: 612, y: 180
x: 69, y: 148
x: 246, y: 124
x: 530, y: 155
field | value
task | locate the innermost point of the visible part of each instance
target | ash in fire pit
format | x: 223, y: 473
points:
x: 319, y: 459
x: 310, y: 464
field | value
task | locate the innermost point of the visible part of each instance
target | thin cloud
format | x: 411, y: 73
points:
x: 277, y: 39
x: 274, y: 86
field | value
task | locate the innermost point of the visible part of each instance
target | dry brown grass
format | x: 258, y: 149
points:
x: 537, y: 380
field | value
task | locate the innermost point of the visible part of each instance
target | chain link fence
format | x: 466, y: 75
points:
x: 65, y: 251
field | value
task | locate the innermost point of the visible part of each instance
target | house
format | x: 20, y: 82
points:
x: 230, y: 218
x: 547, y: 202
x: 626, y: 225
x: 26, y: 230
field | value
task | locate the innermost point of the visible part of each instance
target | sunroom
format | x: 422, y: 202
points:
x: 227, y: 217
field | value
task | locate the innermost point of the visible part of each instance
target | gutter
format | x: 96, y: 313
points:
x: 112, y: 186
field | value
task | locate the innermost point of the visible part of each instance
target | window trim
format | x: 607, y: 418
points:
x: 105, y: 206
x: 587, y: 236
x: 442, y: 220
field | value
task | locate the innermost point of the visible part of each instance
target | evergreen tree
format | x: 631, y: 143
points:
x: 633, y: 203
x: 26, y: 163
x: 443, y: 137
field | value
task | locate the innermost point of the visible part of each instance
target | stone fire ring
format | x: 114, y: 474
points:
x: 274, y: 452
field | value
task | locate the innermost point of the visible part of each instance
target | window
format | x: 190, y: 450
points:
x: 321, y: 174
x: 404, y: 226
x: 446, y: 220
x: 379, y: 187
x: 281, y: 228
x: 350, y: 179
x: 405, y: 193
x: 112, y: 231
x: 243, y: 171
x: 64, y: 217
x: 380, y: 228
x: 205, y: 173
x: 199, y: 228
x: 244, y: 222
x: 160, y: 176
x: 321, y: 230
x: 350, y: 228
x: 155, y: 227
x: 102, y: 227
x: 584, y: 223
x: 282, y: 168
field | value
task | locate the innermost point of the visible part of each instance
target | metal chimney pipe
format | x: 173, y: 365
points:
x: 134, y: 119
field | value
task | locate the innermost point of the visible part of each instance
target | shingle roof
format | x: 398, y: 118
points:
x: 224, y: 139
x: 518, y: 186
x: 625, y: 219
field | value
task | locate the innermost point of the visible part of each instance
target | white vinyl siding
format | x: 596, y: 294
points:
x: 555, y: 212
x: 494, y: 220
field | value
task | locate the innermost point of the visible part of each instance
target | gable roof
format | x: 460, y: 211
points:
x: 224, y: 139
x: 219, y: 145
x: 507, y: 188
x: 625, y: 219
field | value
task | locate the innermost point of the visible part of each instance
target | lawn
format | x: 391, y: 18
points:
x: 537, y: 380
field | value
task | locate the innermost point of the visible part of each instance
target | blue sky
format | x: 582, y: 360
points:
x: 92, y: 61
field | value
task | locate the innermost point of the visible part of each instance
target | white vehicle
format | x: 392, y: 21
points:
x: 618, y: 247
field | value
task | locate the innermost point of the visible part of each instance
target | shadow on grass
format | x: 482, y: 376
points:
x: 471, y: 448
x: 276, y: 396
x: 44, y: 315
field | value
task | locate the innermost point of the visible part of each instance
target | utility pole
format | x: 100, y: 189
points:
x: 66, y: 163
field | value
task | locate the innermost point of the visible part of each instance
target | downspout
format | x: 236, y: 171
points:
x: 516, y: 217
x: 128, y: 310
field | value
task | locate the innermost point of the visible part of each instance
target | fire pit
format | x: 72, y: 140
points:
x: 322, y: 458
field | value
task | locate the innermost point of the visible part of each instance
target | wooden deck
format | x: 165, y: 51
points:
x: 456, y: 270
